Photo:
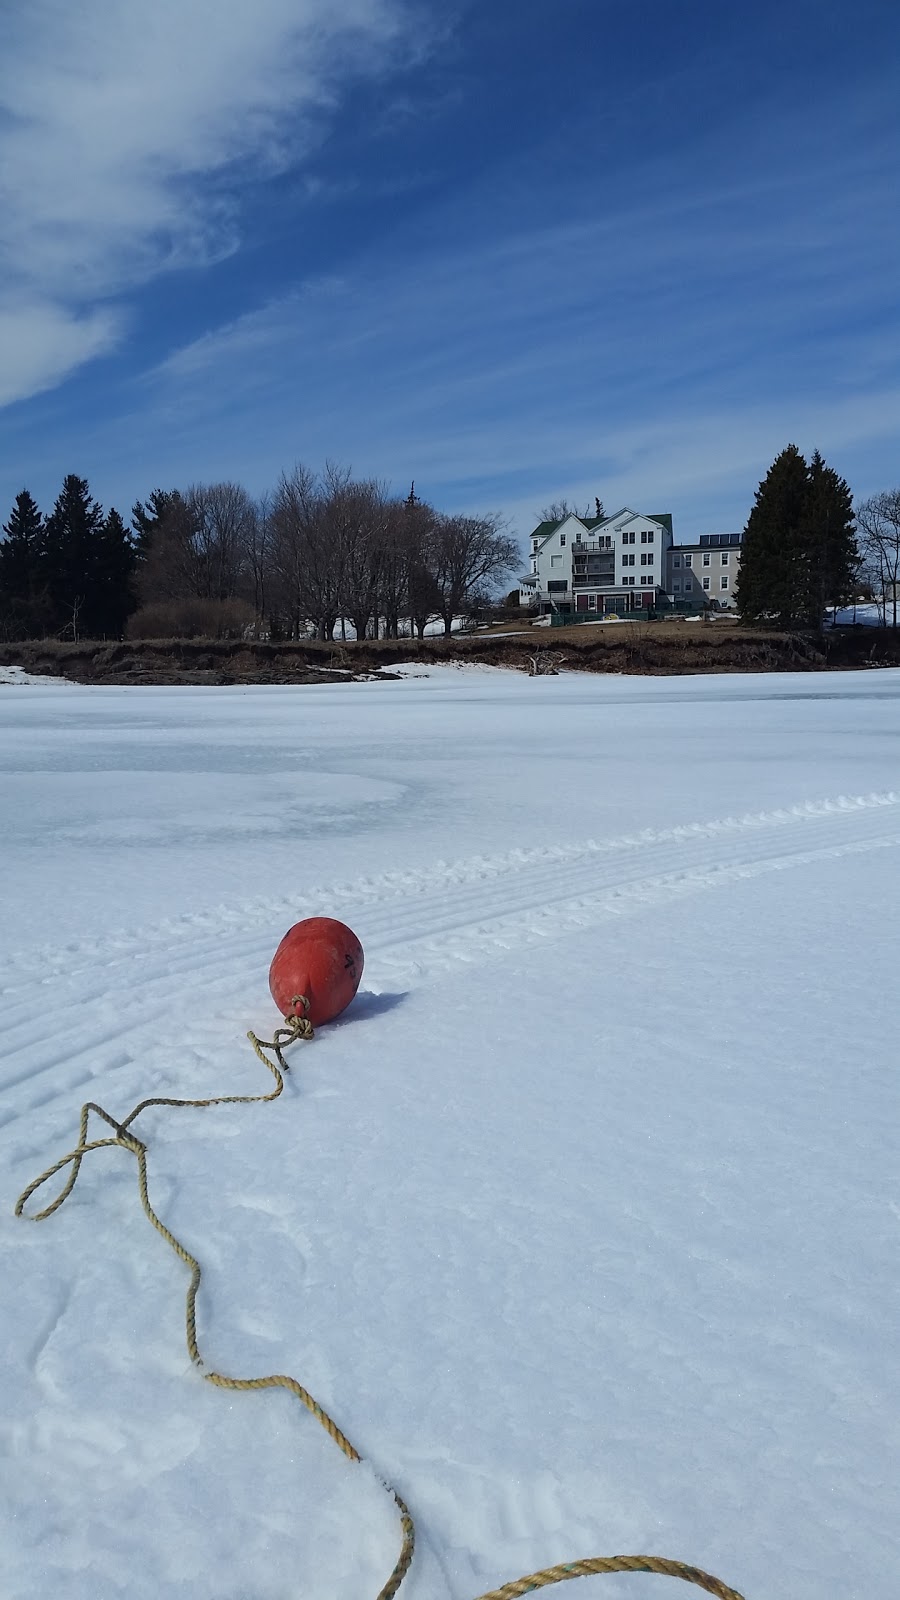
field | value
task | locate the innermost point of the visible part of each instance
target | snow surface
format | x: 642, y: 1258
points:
x: 581, y: 1222
x: 23, y: 680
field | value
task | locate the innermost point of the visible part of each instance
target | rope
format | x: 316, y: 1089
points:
x: 599, y: 1564
x: 295, y: 1027
x: 300, y: 1027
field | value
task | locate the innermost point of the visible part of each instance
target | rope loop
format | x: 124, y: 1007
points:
x: 295, y: 1027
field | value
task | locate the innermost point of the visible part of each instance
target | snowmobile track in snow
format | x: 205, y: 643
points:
x: 414, y: 924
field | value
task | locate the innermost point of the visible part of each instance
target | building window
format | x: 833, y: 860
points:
x: 647, y: 537
x: 562, y: 538
x: 706, y: 583
x: 647, y: 560
x: 592, y: 602
x: 628, y: 538
x: 676, y: 561
x: 628, y: 561
x: 706, y: 561
x: 724, y: 558
x: 723, y: 581
x: 676, y: 587
x: 687, y: 561
x: 557, y: 586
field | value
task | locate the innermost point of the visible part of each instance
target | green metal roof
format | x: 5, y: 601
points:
x: 543, y: 529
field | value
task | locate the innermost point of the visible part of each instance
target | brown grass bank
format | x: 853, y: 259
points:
x: 655, y: 648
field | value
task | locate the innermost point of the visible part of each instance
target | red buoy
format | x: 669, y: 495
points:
x: 320, y: 959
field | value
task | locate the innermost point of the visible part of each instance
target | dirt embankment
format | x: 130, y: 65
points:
x: 628, y: 648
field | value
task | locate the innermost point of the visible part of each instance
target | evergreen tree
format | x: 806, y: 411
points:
x: 829, y: 539
x: 799, y: 551
x: 148, y: 517
x: 23, y: 603
x: 113, y: 578
x: 89, y: 564
x: 163, y: 542
x: 73, y: 527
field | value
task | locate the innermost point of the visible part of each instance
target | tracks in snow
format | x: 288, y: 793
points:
x: 71, y: 1025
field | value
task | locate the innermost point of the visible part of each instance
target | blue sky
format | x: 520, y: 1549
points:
x: 513, y: 251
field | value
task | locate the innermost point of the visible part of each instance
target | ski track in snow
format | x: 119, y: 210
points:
x: 415, y: 926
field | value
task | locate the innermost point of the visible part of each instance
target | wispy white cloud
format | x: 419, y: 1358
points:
x: 704, y: 464
x: 663, y: 352
x: 41, y: 342
x: 126, y: 130
x: 658, y: 346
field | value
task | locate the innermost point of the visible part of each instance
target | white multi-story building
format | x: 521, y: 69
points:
x: 627, y: 562
x: 706, y: 572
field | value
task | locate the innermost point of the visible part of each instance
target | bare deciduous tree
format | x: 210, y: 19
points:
x: 469, y: 553
x: 259, y: 558
x: 319, y: 550
x: 558, y: 510
x: 357, y: 519
x: 223, y: 518
x: 303, y: 565
x: 419, y: 542
x: 878, y: 537
x: 393, y: 588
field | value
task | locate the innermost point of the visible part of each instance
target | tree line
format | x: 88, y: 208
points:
x: 320, y: 551
x: 807, y: 550
x: 324, y: 551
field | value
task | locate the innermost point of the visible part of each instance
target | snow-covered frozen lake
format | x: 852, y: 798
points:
x: 582, y: 1221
